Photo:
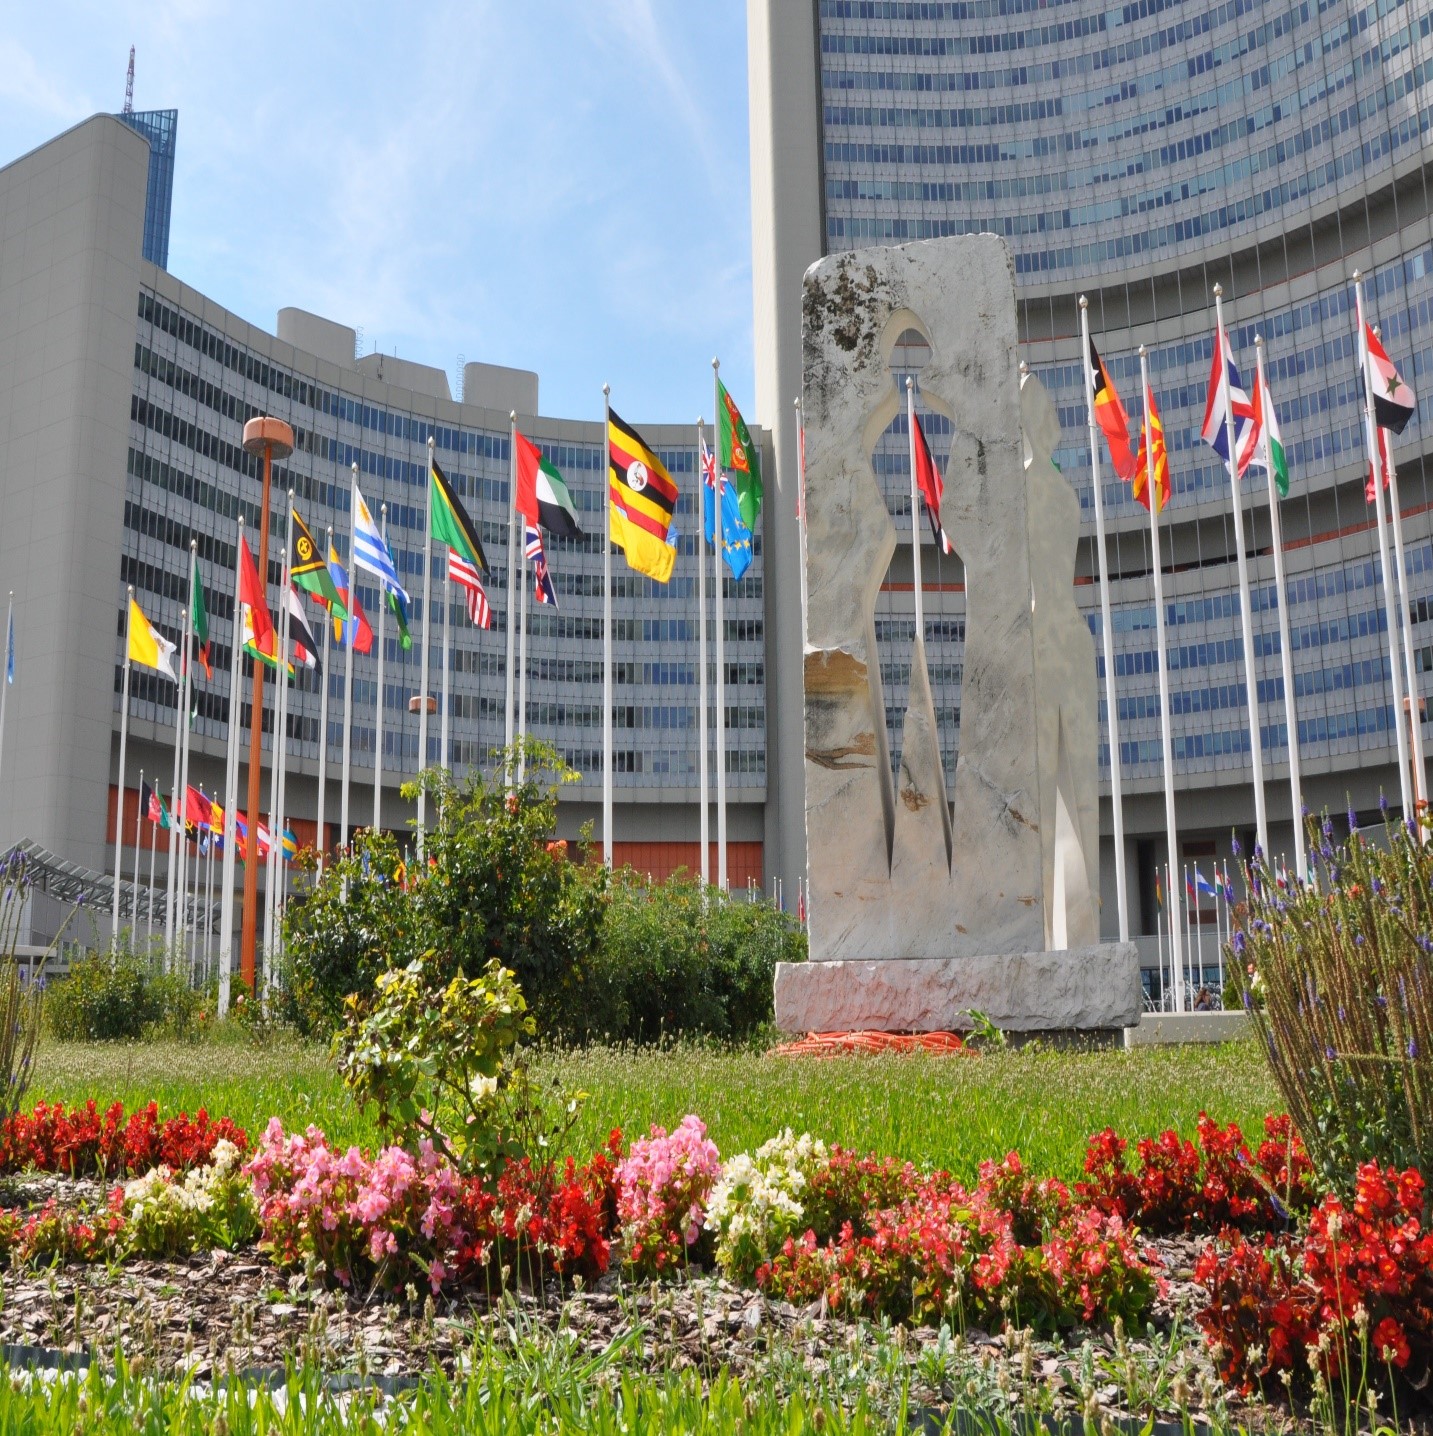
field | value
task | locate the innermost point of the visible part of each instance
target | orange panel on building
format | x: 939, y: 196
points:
x: 661, y: 860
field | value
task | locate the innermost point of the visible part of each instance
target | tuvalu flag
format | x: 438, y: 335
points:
x: 449, y: 523
x: 641, y: 499
x: 1160, y: 462
x: 738, y: 457
x: 1110, y: 415
x: 308, y: 570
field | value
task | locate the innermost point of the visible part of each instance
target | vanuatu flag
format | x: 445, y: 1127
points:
x: 308, y: 570
x: 542, y: 496
x: 738, y: 457
x: 1158, y: 460
x: 642, y: 498
x: 449, y: 523
x: 199, y: 619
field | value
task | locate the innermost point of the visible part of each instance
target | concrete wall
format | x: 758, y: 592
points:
x: 71, y: 229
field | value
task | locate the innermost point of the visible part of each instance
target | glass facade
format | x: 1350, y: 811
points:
x: 158, y: 127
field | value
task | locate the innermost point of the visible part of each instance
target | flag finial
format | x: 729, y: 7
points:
x: 910, y: 383
x: 1084, y: 302
x: 607, y: 389
x: 354, y: 466
x: 512, y: 416
x: 1218, y: 290
x: 432, y: 444
x: 1357, y: 275
x: 1142, y: 351
x: 1258, y: 341
x: 716, y: 363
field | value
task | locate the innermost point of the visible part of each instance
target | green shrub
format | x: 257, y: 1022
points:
x: 109, y: 997
x: 1341, y: 994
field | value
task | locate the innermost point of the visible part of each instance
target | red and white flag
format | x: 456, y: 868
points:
x: 1393, y: 401
x: 466, y: 576
x: 928, y: 482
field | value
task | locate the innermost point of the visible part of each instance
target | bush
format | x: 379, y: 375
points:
x: 1340, y: 990
x: 126, y: 995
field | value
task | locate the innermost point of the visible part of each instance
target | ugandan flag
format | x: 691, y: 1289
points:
x: 309, y: 571
x: 449, y: 523
x: 1111, y: 417
x: 1158, y: 460
x: 642, y: 498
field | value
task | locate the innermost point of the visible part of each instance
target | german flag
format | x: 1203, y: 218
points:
x: 1111, y: 417
x: 1160, y: 463
x: 642, y: 499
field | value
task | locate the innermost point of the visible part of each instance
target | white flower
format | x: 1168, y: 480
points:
x: 483, y: 1088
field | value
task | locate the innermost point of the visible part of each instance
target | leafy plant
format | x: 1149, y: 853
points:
x: 207, y: 1207
x: 123, y: 995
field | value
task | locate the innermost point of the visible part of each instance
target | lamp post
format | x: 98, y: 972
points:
x: 271, y: 438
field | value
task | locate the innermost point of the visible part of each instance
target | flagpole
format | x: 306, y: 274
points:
x: 231, y: 787
x: 149, y: 903
x: 1286, y: 656
x: 1370, y: 428
x: 378, y: 706
x: 123, y: 745
x: 719, y: 543
x: 286, y: 624
x: 606, y: 634
x: 187, y: 668
x: 445, y: 756
x: 703, y: 776
x: 175, y: 871
x: 208, y: 906
x: 275, y: 763
x: 1166, y: 741
x: 1246, y: 618
x: 138, y: 818
x: 427, y: 630
x: 512, y: 591
x: 1106, y: 629
x: 915, y: 514
x: 522, y: 660
x: 323, y: 722
x: 5, y: 677
x: 350, y: 632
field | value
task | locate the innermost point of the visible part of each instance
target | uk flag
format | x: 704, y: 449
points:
x: 1226, y: 390
x: 543, y: 590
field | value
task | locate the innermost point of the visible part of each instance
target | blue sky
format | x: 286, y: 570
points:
x: 559, y: 185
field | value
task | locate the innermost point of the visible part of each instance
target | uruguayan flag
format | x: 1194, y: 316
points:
x: 370, y: 549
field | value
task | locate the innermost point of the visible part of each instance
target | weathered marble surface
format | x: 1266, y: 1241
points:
x: 1084, y: 988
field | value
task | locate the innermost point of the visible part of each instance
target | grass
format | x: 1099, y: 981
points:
x: 948, y: 1112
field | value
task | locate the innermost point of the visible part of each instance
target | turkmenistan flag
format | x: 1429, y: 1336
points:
x: 309, y: 571
x: 199, y: 618
x: 449, y: 523
x: 1266, y: 417
x: 542, y: 496
x: 738, y: 457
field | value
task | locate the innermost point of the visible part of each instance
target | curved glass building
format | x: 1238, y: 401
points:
x: 1140, y: 153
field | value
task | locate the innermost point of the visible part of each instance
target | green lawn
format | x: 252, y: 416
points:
x: 950, y: 1112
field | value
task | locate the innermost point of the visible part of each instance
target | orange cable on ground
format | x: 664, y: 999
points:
x: 838, y: 1044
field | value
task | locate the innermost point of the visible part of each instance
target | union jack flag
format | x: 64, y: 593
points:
x: 543, y: 590
x: 466, y: 576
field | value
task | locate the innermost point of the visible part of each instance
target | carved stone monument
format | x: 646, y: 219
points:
x: 922, y: 909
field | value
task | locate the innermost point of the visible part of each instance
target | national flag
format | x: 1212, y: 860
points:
x: 1159, y: 892
x: 199, y: 618
x: 542, y: 495
x: 397, y: 602
x: 1110, y: 415
x: 307, y: 568
x: 1226, y: 391
x: 1393, y: 401
x: 1197, y: 884
x: 147, y: 645
x: 198, y: 809
x: 739, y: 457
x: 253, y: 645
x: 291, y: 846
x: 466, y: 576
x: 543, y: 590
x: 1160, y: 460
x: 370, y: 548
x: 154, y: 808
x: 928, y: 482
x: 253, y: 594
x: 449, y: 521
x: 1266, y: 418
x: 10, y: 650
x: 1370, y: 493
x: 355, y: 626
x: 216, y: 817
x: 300, y: 634
x: 241, y: 832
x: 641, y: 500
x: 736, y: 546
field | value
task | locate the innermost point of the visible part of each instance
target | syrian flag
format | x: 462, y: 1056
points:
x: 300, y: 634
x: 1266, y: 417
x: 1226, y: 391
x: 467, y: 577
x: 543, y: 590
x: 1393, y: 401
x: 928, y: 482
x: 542, y: 495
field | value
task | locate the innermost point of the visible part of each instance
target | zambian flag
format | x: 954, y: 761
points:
x: 738, y: 457
x: 542, y: 496
x: 449, y: 523
x: 642, y: 498
x: 309, y: 571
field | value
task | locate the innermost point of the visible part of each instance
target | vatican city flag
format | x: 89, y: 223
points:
x: 147, y: 646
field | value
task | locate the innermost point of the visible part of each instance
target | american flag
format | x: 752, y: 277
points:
x: 543, y: 590
x: 465, y: 575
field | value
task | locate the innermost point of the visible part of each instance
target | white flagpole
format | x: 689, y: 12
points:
x: 607, y: 636
x: 916, y: 584
x: 427, y: 632
x: 276, y: 762
x: 1246, y: 618
x: 188, y: 668
x: 522, y: 658
x: 703, y: 775
x: 378, y: 707
x: 5, y: 675
x: 1286, y: 657
x: 208, y: 910
x: 285, y: 684
x: 177, y: 795
x: 512, y: 588
x: 445, y: 756
x: 123, y: 745
x: 1166, y: 741
x: 1106, y: 629
x: 720, y: 547
x: 231, y: 791
x: 1410, y: 671
x: 349, y: 635
x: 323, y: 724
x: 138, y: 818
x: 149, y: 903
x: 1370, y: 426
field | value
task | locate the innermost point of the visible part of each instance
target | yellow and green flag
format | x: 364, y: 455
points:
x: 738, y: 457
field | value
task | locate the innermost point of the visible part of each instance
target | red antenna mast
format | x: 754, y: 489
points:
x: 129, y: 85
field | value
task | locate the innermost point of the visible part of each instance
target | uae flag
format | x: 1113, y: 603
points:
x: 1393, y: 401
x: 542, y: 495
x: 928, y: 482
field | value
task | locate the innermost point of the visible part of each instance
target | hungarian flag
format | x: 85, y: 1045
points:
x: 928, y: 482
x: 356, y: 625
x: 1266, y: 416
x: 1393, y: 401
x: 542, y: 495
x: 449, y: 521
x: 147, y: 645
x: 738, y: 457
x: 154, y: 808
x: 300, y: 634
x: 307, y: 568
x: 1159, y: 460
x: 199, y: 619
x: 1110, y: 415
x: 467, y: 577
x: 641, y: 501
x: 258, y: 626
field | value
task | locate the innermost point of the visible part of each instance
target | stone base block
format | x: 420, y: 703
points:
x: 1159, y: 1029
x: 1082, y: 989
